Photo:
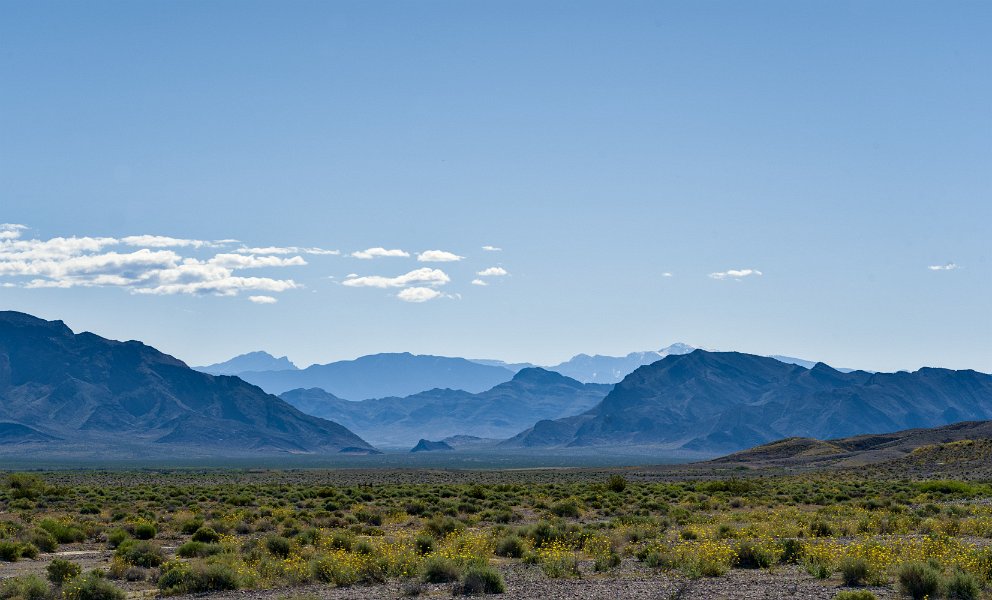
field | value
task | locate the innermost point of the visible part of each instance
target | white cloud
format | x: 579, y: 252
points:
x: 479, y: 282
x: 492, y: 249
x: 419, y: 276
x: 287, y: 250
x: 162, y: 241
x: 262, y: 299
x: 735, y: 274
x: 667, y: 274
x: 242, y: 261
x: 11, y: 231
x: 945, y: 267
x: 493, y: 272
x: 380, y: 253
x: 438, y: 256
x: 418, y: 294
x: 155, y: 269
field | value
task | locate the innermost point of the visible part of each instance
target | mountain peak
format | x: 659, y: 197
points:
x: 249, y: 362
x: 539, y: 375
x: 14, y: 318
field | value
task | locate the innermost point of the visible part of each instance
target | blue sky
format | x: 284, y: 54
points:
x: 620, y: 154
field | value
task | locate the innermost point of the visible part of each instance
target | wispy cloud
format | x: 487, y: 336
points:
x: 492, y: 249
x: 263, y: 299
x: 425, y: 276
x: 164, y: 241
x: 377, y: 252
x: 493, y: 272
x: 438, y: 256
x: 287, y: 250
x: 945, y: 267
x: 667, y: 274
x: 479, y: 282
x: 418, y: 294
x: 736, y: 274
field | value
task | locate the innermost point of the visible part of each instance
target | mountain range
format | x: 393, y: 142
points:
x: 500, y: 412
x: 86, y: 395
x: 252, y: 361
x: 383, y: 375
x: 721, y: 402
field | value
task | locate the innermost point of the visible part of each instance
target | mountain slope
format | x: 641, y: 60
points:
x: 611, y: 369
x: 725, y: 401
x: 252, y: 361
x: 94, y: 395
x: 499, y: 412
x: 384, y: 375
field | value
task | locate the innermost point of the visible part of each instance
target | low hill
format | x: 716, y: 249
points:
x: 921, y: 448
x: 82, y: 395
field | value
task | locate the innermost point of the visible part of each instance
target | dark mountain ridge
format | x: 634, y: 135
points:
x: 85, y: 394
x: 726, y: 401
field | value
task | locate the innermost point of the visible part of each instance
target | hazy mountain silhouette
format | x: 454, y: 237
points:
x: 252, y: 361
x: 611, y: 369
x: 499, y: 412
x: 383, y: 375
x: 84, y: 394
x: 726, y: 401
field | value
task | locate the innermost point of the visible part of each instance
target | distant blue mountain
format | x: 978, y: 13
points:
x: 252, y: 361
x: 533, y: 394
x: 384, y: 375
x: 611, y: 369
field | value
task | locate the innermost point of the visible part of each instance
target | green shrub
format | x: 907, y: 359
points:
x: 753, y: 556
x: 91, y: 586
x: 919, y: 580
x: 793, y: 551
x: 64, y: 533
x: 61, y: 570
x: 193, y: 549
x: 510, y: 546
x: 116, y: 537
x: 440, y: 527
x: 616, y: 483
x: 854, y: 571
x: 437, y: 569
x: 607, y: 562
x: 197, y: 577
x: 855, y: 595
x: 191, y: 525
x: 278, y: 545
x: 145, y: 531
x: 424, y: 544
x: 566, y: 508
x: 140, y: 553
x: 818, y: 568
x: 481, y: 580
x: 25, y: 486
x: 961, y: 585
x: 12, y: 551
x: 44, y: 541
x: 206, y: 534
x: 561, y: 565
x: 820, y: 528
x: 660, y: 558
x: 25, y: 587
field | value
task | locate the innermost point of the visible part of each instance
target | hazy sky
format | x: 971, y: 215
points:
x: 771, y: 177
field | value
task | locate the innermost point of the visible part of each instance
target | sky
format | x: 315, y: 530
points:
x: 513, y: 180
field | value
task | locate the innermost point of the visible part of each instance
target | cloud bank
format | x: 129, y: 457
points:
x: 737, y: 274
